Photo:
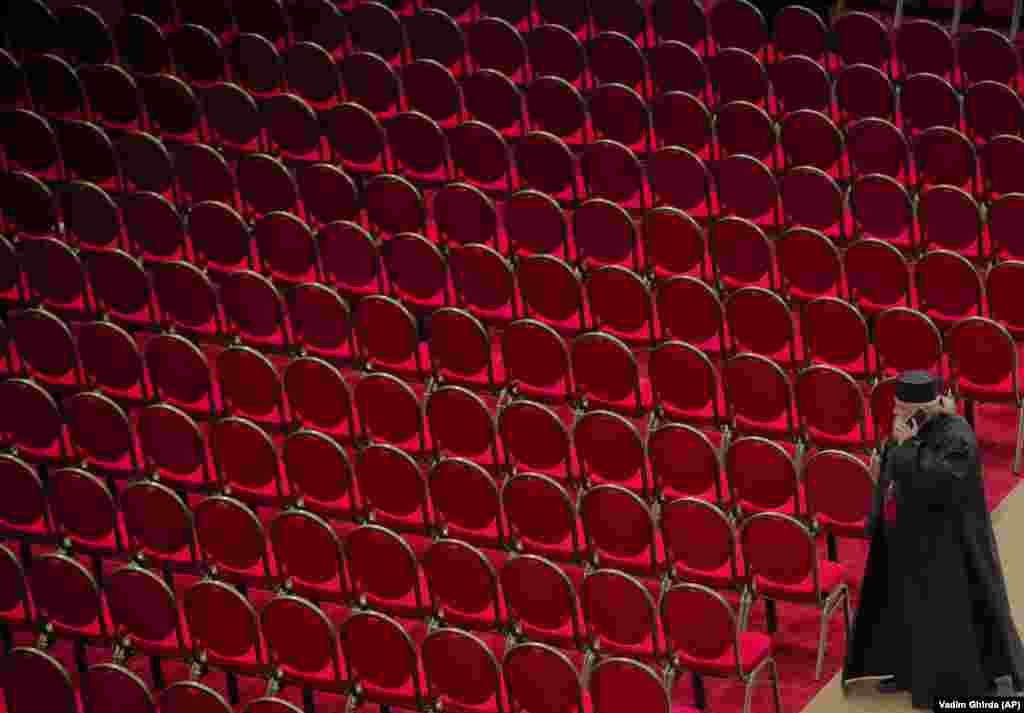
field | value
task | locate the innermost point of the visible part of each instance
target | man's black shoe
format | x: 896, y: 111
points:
x: 892, y: 685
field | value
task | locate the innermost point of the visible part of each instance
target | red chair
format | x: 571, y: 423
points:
x: 1001, y: 294
x: 1003, y: 213
x: 187, y: 299
x: 386, y: 333
x: 101, y: 434
x: 555, y: 106
x: 607, y: 375
x: 376, y: 28
x: 984, y: 54
x: 883, y: 209
x: 742, y: 254
x: 462, y: 423
x: 186, y: 696
x: 875, y: 145
x: 463, y: 586
x: 840, y: 491
x: 383, y: 660
x: 534, y: 436
x: 541, y: 602
x: 159, y: 523
x: 552, y: 291
x: 610, y: 170
x: 863, y: 38
x: 927, y: 100
x: 760, y: 397
x: 536, y: 224
x: 56, y: 277
x: 319, y: 397
x: 303, y: 644
x: 351, y: 259
x: 495, y: 100
x: 878, y: 276
x: 622, y: 304
x: 619, y: 683
x: 417, y: 271
x: 45, y: 348
x: 286, y: 248
x: 24, y: 512
x: 738, y: 74
x: 251, y: 386
x: 747, y: 189
x: 782, y: 560
x: 247, y: 460
x: 32, y: 422
x: 465, y: 215
x: 384, y: 572
x: 110, y: 687
x: 984, y: 367
x: 1000, y: 159
x: 801, y: 83
x: 835, y: 332
x: 609, y: 449
x: 992, y: 109
x: 798, y: 30
x: 949, y: 288
x: 67, y: 597
x: 542, y: 518
x: 35, y: 678
x: 484, y: 283
x: 85, y: 513
x: 546, y: 164
x: 536, y: 361
x: 685, y: 463
x: 951, y: 220
x: 832, y: 410
x: 812, y: 199
x: 690, y: 310
x: 621, y: 531
x: 924, y: 46
x: 157, y: 630
x: 308, y: 555
x: 232, y: 540
x: 701, y: 545
x: 679, y: 178
x: 318, y: 471
x: 173, y: 446
x: 495, y: 43
x: 907, y: 339
x: 620, y: 114
x: 761, y: 322
x: 604, y: 234
x: 621, y: 615
x: 682, y: 120
x: 745, y: 128
x: 555, y: 50
x: 946, y: 157
x: 762, y: 477
x: 685, y: 385
x: 420, y: 148
x: 811, y: 266
x: 466, y: 502
x: 394, y: 205
x: 704, y: 636
x: 864, y: 91
x: 674, y: 244
x: 431, y: 89
x: 445, y: 652
x: 202, y: 174
x: 540, y: 679
x: 460, y: 350
x: 357, y: 139
x: 393, y: 489
x: 614, y: 57
x: 328, y: 194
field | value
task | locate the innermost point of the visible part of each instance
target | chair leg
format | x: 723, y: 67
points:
x: 822, y: 633
x: 776, y: 694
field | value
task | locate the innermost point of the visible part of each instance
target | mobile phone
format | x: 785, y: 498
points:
x: 917, y: 420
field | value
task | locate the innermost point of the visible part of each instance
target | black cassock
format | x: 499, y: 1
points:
x: 933, y: 606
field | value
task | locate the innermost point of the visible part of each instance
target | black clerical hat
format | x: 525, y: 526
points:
x: 917, y: 387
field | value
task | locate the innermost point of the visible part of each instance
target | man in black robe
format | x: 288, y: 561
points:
x: 934, y: 617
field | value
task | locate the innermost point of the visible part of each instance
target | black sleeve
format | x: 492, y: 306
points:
x: 942, y: 469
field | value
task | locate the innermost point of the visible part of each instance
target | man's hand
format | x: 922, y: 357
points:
x: 902, y: 429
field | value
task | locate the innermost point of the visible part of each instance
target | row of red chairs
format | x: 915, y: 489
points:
x: 409, y: 31
x: 506, y: 604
